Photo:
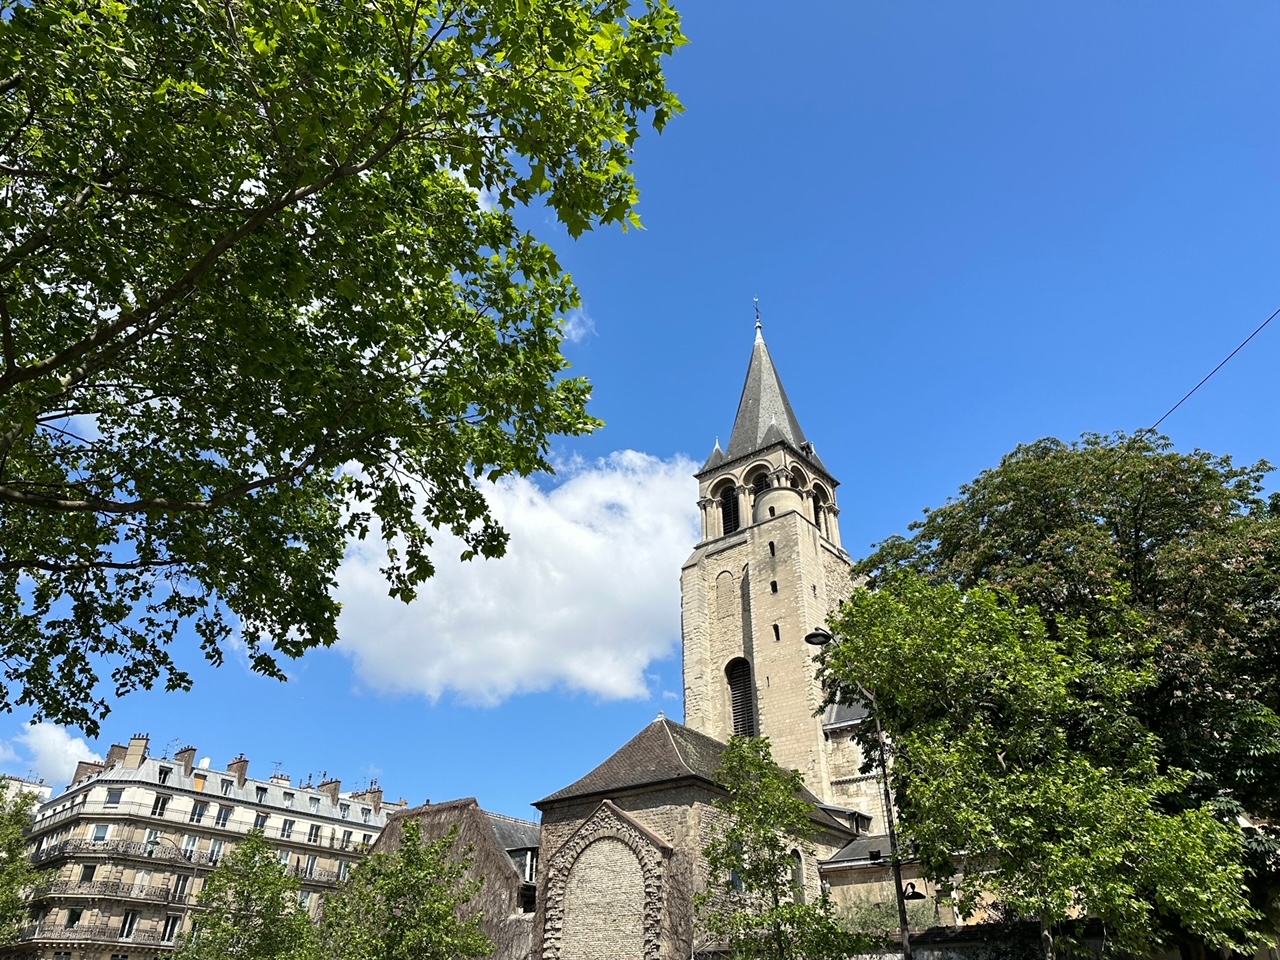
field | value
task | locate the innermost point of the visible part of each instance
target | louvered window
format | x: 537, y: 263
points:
x: 760, y: 482
x: 742, y: 698
x: 729, y: 509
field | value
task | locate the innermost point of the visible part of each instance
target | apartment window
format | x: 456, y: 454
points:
x: 226, y: 788
x: 201, y: 780
x: 288, y: 801
x: 142, y: 878
x: 73, y: 918
x: 215, y: 850
x: 313, y: 833
x: 160, y: 805
x: 171, y: 923
x: 100, y: 831
x: 259, y: 821
x: 189, y: 844
x: 344, y: 810
x: 113, y: 797
x: 261, y: 794
x: 164, y: 774
x: 365, y: 813
x: 284, y: 857
x: 62, y: 955
x: 128, y: 924
x: 87, y: 872
x: 346, y: 839
x: 311, y: 866
x: 304, y: 899
x: 224, y: 815
x: 315, y: 804
x: 286, y: 829
x: 180, y: 883
x: 368, y: 839
x: 198, y: 810
x: 344, y: 870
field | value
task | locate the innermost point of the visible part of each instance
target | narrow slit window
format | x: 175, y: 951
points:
x: 777, y: 634
x: 742, y: 697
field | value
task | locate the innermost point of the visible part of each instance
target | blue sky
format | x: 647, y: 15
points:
x: 969, y: 226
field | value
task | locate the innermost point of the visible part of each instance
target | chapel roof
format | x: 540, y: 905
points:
x: 765, y: 417
x: 664, y: 751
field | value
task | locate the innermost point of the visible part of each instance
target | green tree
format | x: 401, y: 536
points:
x: 1022, y: 774
x: 262, y: 292
x: 17, y: 875
x: 752, y: 904
x: 1182, y: 547
x: 406, y: 905
x: 250, y: 910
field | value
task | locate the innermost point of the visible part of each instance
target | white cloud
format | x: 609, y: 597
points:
x: 585, y: 599
x: 578, y: 325
x: 47, y: 752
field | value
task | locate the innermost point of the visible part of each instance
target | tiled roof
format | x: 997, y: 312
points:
x: 664, y: 750
x: 514, y: 834
x: 661, y: 752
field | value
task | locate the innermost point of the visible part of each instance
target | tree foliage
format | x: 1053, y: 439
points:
x: 406, y: 905
x: 17, y: 875
x: 1024, y: 777
x: 250, y: 910
x: 261, y: 292
x: 1161, y: 566
x: 752, y: 905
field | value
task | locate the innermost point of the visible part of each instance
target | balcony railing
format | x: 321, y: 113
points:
x: 98, y: 932
x: 114, y: 889
x: 139, y: 849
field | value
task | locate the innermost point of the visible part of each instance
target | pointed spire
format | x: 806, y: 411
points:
x: 764, y: 413
x: 759, y: 326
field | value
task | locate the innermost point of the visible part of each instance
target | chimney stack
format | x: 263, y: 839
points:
x: 187, y: 757
x: 331, y: 789
x: 240, y: 767
x: 136, y: 752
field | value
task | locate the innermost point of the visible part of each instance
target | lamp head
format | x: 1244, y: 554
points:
x: 818, y: 637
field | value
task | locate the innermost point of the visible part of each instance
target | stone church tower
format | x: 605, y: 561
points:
x: 768, y: 570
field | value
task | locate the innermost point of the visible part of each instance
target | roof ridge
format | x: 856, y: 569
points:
x: 666, y: 725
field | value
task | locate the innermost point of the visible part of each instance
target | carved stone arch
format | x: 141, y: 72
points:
x: 727, y: 601
x: 608, y: 822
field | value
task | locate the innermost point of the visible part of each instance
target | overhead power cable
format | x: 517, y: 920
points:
x: 1243, y: 343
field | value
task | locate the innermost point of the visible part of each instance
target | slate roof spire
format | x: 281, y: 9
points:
x: 764, y: 412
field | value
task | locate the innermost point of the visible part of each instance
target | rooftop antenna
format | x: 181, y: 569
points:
x: 275, y: 767
x: 168, y: 747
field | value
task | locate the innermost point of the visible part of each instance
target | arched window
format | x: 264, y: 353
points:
x: 760, y: 482
x: 729, y: 508
x: 820, y: 501
x: 797, y: 876
x: 742, y: 697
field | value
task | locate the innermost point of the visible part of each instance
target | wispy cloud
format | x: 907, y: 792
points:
x: 46, y: 752
x: 585, y: 599
x: 578, y: 325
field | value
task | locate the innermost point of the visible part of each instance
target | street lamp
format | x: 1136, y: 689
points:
x: 820, y: 638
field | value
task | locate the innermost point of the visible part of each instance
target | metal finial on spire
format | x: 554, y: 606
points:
x: 759, y: 327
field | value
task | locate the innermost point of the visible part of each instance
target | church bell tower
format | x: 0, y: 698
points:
x: 768, y: 569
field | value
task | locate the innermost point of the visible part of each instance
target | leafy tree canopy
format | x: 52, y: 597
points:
x: 1023, y: 776
x: 752, y: 904
x: 250, y: 910
x: 17, y: 875
x: 406, y: 905
x: 261, y: 293
x: 1118, y: 537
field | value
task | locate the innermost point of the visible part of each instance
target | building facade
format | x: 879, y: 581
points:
x: 129, y: 843
x: 768, y: 570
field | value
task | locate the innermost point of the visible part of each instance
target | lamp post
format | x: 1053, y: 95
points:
x: 820, y: 638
